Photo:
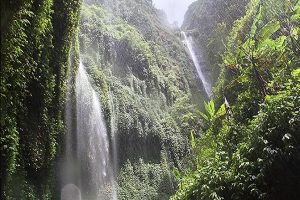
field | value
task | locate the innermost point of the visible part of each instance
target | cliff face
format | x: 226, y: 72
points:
x: 36, y: 43
x: 140, y: 70
x: 146, y: 82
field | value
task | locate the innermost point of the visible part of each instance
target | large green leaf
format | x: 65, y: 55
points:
x: 295, y: 18
x: 193, y: 141
x: 222, y: 111
x: 210, y: 108
x: 268, y: 30
x: 204, y: 116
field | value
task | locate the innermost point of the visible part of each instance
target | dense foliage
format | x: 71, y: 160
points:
x: 146, y: 83
x: 36, y: 40
x: 210, y: 22
x: 244, y: 144
x: 253, y: 151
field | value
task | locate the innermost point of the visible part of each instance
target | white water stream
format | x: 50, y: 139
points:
x: 91, y: 165
x: 188, y: 41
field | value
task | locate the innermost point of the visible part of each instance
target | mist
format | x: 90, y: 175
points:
x: 175, y: 9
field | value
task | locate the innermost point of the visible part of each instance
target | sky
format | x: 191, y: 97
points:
x: 175, y: 9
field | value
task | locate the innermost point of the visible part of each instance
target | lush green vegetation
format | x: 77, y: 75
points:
x: 244, y: 144
x: 146, y: 83
x: 36, y: 40
x: 210, y: 22
x: 252, y: 151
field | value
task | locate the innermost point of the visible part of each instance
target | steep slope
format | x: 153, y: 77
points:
x: 251, y: 149
x: 146, y: 82
x: 36, y: 42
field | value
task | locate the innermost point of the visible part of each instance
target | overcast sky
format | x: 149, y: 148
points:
x: 174, y: 9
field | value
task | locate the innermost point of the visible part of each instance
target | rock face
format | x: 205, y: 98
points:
x: 146, y: 81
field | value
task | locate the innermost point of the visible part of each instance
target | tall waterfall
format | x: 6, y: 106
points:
x: 188, y: 41
x: 88, y: 155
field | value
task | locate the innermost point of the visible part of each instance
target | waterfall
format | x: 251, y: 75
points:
x: 188, y: 41
x: 88, y: 164
x: 114, y: 130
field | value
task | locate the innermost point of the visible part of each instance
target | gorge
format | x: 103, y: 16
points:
x: 106, y: 100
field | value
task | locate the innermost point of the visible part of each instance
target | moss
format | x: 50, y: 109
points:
x: 142, y: 69
x: 35, y: 51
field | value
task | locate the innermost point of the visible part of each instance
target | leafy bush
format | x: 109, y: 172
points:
x: 254, y: 152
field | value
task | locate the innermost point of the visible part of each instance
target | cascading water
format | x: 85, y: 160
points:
x: 114, y: 130
x: 88, y: 164
x: 188, y: 41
